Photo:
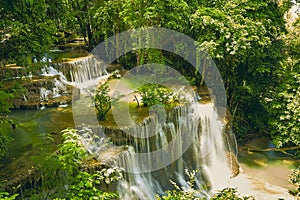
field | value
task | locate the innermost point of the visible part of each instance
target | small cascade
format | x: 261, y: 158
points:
x: 54, y: 89
x: 82, y: 70
x: 195, y: 138
x: 51, y: 71
x: 213, y: 148
x: 153, y: 153
x: 72, y: 73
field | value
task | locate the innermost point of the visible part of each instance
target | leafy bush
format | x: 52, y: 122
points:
x: 4, y: 103
x: 6, y: 196
x: 283, y: 101
x: 102, y: 101
x: 4, y: 141
x: 86, y: 185
x: 116, y: 74
x: 62, y: 175
x: 4, y: 110
x: 284, y: 110
x: 192, y: 193
x: 230, y: 194
x: 183, y: 193
x: 71, y: 152
x: 153, y: 94
x: 294, y: 178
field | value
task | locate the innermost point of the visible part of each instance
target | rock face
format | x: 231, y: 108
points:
x: 41, y: 91
x: 233, y: 164
x: 52, y: 86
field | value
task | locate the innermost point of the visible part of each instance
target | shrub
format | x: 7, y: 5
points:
x: 87, y: 186
x: 230, y: 194
x: 153, y: 94
x: 62, y: 175
x: 6, y: 196
x: 102, y: 101
x: 182, y: 193
x: 294, y: 178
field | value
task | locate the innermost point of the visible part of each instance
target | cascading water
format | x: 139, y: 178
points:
x: 190, y: 137
x: 199, y: 140
x: 87, y: 70
x: 82, y: 70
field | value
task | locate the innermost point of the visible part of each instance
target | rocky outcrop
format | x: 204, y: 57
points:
x: 40, y: 91
x: 233, y: 164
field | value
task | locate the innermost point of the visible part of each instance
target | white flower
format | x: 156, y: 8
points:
x: 110, y: 171
x: 227, y: 36
x: 106, y: 174
x: 107, y: 181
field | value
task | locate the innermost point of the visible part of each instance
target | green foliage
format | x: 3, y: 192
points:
x: 4, y: 103
x: 86, y: 185
x: 284, y: 109
x: 243, y: 39
x: 4, y: 123
x: 71, y: 152
x: 183, y: 193
x: 7, y: 196
x: 154, y: 94
x: 192, y: 193
x: 4, y: 141
x: 283, y: 101
x: 59, y: 168
x: 31, y: 32
x: 242, y: 36
x: 116, y: 74
x: 230, y: 194
x: 62, y: 175
x: 294, y: 178
x: 102, y: 101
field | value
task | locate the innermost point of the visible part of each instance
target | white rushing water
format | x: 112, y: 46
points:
x: 153, y: 152
x: 206, y: 153
x: 83, y: 73
x: 82, y: 70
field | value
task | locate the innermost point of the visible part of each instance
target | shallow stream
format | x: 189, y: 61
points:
x: 32, y: 128
x: 273, y: 167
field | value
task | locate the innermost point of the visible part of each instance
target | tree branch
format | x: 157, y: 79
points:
x: 282, y: 150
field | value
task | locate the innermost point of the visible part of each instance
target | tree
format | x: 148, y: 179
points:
x: 283, y: 101
x: 242, y: 37
x: 31, y: 33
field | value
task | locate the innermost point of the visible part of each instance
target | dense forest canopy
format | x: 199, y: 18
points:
x: 255, y: 48
x: 248, y: 40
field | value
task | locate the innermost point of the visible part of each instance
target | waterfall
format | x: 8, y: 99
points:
x: 200, y: 143
x: 154, y: 151
x: 81, y: 70
x: 191, y: 138
x: 55, y: 88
